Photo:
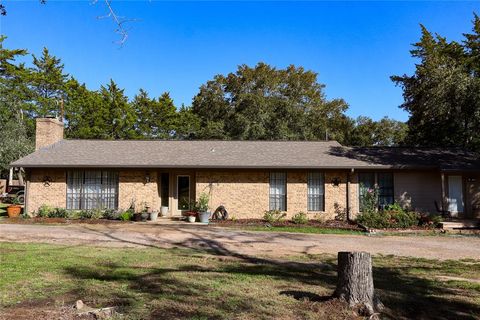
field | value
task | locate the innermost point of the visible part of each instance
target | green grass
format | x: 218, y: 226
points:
x: 152, y: 283
x: 301, y: 229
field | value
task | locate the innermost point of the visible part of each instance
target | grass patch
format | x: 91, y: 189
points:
x: 156, y: 283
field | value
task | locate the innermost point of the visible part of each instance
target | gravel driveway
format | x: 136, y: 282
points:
x: 237, y: 242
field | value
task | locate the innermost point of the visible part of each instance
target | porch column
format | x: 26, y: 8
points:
x: 442, y: 175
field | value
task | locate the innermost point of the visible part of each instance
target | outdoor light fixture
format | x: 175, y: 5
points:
x: 336, y: 182
x: 46, y: 181
x: 147, y: 177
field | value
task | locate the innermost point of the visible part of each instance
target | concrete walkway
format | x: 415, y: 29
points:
x: 237, y: 242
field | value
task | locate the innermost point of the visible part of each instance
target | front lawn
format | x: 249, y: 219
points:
x: 152, y: 283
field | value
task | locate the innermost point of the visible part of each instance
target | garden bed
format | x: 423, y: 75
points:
x: 41, y: 220
x: 329, y: 224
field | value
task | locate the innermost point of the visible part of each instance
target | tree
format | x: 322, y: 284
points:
x: 118, y: 116
x: 355, y: 283
x: 443, y: 95
x: 14, y: 91
x: 47, y: 84
x: 263, y: 103
x: 14, y: 144
x: 187, y: 124
x: 155, y: 118
x: 367, y: 132
x: 84, y: 112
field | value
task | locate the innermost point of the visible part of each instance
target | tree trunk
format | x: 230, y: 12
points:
x: 355, y: 282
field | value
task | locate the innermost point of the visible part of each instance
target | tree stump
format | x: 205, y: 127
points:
x: 355, y: 282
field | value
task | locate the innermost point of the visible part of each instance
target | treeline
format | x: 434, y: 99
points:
x: 252, y: 103
x: 255, y: 103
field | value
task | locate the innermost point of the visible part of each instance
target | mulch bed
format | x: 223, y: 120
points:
x: 38, y: 220
x: 329, y: 224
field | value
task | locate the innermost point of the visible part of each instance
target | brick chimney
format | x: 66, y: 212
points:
x: 49, y: 130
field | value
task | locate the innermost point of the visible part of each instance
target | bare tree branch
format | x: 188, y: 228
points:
x: 119, y: 21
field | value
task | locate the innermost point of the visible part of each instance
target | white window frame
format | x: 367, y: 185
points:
x: 275, y: 177
x: 320, y: 193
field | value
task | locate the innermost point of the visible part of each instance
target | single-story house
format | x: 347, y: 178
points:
x: 247, y: 177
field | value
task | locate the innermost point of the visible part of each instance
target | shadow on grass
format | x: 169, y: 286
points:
x: 405, y: 295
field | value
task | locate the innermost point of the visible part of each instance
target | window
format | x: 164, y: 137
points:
x: 164, y: 189
x: 92, y: 189
x: 385, y: 189
x: 183, y: 192
x: 383, y: 181
x: 366, y: 181
x: 278, y: 188
x: 316, y: 194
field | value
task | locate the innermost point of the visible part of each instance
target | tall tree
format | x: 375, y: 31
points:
x: 47, y: 83
x: 443, y: 95
x: 155, y: 118
x: 118, y: 116
x: 14, y: 91
x: 84, y: 112
x: 268, y: 104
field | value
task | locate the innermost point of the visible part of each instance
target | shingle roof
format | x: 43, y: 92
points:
x: 239, y: 154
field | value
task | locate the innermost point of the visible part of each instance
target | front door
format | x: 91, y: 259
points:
x: 455, y: 195
x: 182, y: 194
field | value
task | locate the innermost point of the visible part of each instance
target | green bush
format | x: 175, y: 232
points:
x: 126, y: 216
x: 273, y: 216
x: 111, y: 214
x: 89, y: 214
x: 59, y: 213
x: 394, y: 216
x: 431, y: 220
x: 44, y: 211
x: 300, y: 218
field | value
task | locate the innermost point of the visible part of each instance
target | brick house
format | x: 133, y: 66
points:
x: 247, y: 177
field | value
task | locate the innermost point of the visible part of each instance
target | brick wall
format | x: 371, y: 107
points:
x: 48, y: 131
x: 132, y: 187
x: 53, y: 194
x: 245, y: 193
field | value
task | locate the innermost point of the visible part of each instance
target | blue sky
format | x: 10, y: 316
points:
x: 177, y: 46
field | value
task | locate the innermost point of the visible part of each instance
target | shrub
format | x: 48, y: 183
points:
x: 430, y: 220
x: 111, y: 214
x: 394, y: 216
x: 90, y: 214
x: 44, y: 211
x: 58, y: 213
x: 369, y: 200
x: 126, y: 215
x: 273, y: 216
x: 300, y: 218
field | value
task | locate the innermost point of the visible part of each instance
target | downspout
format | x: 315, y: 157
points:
x: 442, y: 175
x: 348, y: 195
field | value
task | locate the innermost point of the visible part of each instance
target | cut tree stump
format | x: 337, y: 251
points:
x: 355, y: 282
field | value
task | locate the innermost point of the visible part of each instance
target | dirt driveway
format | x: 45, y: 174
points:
x: 238, y: 242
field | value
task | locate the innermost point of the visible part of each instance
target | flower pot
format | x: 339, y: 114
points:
x: 14, y: 210
x: 154, y: 215
x: 163, y: 211
x: 204, y: 216
x: 137, y: 217
x: 144, y: 216
x: 191, y: 218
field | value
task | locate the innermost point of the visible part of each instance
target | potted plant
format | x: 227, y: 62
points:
x: 202, y: 207
x: 163, y: 211
x: 191, y: 216
x: 15, y: 208
x: 154, y: 215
